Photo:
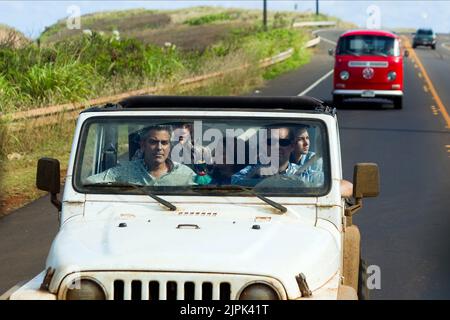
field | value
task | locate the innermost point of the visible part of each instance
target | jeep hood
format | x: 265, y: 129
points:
x: 277, y: 246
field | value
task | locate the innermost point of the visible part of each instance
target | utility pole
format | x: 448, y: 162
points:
x: 317, y: 7
x: 265, y: 15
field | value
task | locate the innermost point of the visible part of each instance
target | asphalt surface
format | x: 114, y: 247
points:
x: 405, y: 231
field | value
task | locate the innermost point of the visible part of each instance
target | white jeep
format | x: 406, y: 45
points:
x: 204, y: 198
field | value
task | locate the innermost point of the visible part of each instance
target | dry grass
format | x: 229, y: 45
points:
x: 107, y: 23
x: 12, y: 38
x: 18, y: 171
x: 195, y: 38
x: 159, y: 27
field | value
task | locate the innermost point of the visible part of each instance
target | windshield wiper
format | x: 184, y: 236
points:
x: 249, y: 190
x: 139, y: 187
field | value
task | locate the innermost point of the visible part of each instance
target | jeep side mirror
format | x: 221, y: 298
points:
x: 366, y: 181
x: 406, y: 53
x: 331, y: 52
x: 48, y: 179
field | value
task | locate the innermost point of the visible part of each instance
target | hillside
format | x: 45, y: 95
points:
x: 10, y: 36
x: 192, y: 28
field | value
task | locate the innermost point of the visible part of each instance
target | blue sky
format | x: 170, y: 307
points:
x: 31, y: 17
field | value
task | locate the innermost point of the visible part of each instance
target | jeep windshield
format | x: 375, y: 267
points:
x: 360, y: 45
x: 203, y: 156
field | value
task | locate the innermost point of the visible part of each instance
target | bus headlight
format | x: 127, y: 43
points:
x: 344, y: 75
x: 392, y: 76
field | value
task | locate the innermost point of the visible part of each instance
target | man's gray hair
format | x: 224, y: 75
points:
x: 157, y: 127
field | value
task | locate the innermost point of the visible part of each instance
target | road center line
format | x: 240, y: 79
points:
x: 430, y: 85
x: 316, y: 83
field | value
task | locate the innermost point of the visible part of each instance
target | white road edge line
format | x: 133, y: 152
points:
x: 316, y: 83
x: 445, y: 45
x: 329, y: 41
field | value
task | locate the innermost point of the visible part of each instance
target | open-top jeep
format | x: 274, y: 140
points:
x: 204, y: 198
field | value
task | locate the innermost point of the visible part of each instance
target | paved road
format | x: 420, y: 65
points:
x: 404, y: 231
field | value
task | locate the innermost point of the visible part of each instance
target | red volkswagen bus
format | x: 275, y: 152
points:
x: 368, y: 64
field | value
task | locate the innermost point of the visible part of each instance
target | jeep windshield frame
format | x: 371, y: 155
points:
x: 309, y: 191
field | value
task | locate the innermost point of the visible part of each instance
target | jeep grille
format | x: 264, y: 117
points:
x: 171, y: 290
x: 140, y: 285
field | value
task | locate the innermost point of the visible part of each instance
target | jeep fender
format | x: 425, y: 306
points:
x: 352, y: 250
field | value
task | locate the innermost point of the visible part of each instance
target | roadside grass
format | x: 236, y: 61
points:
x: 300, y: 57
x: 210, y: 18
x: 18, y: 173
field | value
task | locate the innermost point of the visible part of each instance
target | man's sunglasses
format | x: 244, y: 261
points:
x: 281, y: 142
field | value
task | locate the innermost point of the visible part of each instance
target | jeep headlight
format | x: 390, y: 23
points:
x: 259, y: 291
x: 85, y: 289
x: 392, y: 76
x: 344, y: 75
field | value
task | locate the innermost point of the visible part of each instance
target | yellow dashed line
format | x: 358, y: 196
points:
x: 430, y: 85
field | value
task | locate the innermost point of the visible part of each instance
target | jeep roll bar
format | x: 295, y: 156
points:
x: 294, y: 103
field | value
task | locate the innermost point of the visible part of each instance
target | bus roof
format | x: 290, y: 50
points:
x: 370, y: 32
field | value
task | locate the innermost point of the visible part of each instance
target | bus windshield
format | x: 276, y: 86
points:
x: 360, y: 45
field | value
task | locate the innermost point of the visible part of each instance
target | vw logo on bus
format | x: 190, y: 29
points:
x: 368, y: 73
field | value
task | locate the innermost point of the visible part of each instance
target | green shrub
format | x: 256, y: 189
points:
x: 210, y: 18
x: 7, y: 95
x: 163, y: 63
x: 50, y: 83
x: 109, y: 57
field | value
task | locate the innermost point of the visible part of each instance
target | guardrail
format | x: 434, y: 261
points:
x: 314, y: 24
x: 47, y: 115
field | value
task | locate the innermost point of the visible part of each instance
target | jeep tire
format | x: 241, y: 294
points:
x: 363, y: 290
